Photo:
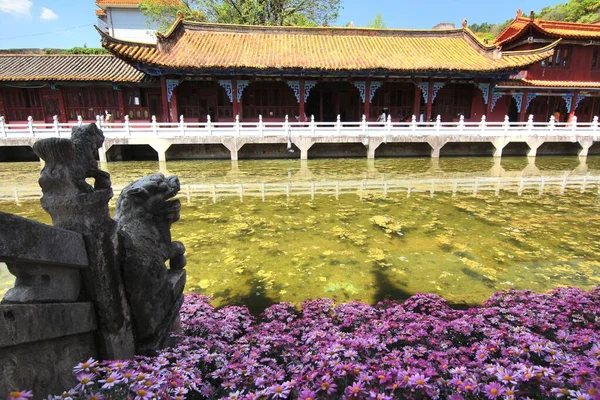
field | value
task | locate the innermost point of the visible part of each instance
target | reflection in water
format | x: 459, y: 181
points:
x: 367, y: 243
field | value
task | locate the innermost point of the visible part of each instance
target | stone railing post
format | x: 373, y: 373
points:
x: 338, y: 125
x: 574, y: 123
x: 286, y: 126
x: 208, y: 125
x: 461, y: 123
x: 237, y: 124
x: 551, y: 123
x: 506, y: 124
x: 126, y: 126
x: 30, y: 125
x: 595, y: 126
x: 182, y: 125
x: 413, y: 123
x: 2, y: 127
x: 530, y: 123
x: 260, y: 125
x: 79, y: 120
x: 483, y: 123
x: 154, y: 125
x: 312, y: 125
x: 363, y: 124
x: 55, y: 125
x: 438, y: 123
x: 388, y: 125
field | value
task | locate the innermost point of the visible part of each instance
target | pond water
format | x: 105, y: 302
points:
x: 262, y: 231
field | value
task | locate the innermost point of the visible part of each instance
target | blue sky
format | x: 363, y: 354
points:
x: 69, y: 23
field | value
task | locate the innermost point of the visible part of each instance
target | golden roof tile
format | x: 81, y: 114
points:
x: 67, y: 67
x: 542, y: 84
x: 203, y: 46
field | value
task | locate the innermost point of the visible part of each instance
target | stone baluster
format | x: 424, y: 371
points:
x: 438, y: 123
x: 79, y: 120
x: 483, y: 123
x: 388, y: 125
x: 99, y: 121
x: 461, y: 123
x: 260, y: 125
x: 338, y: 125
x: 55, y: 125
x: 154, y: 125
x: 30, y: 125
x: 552, y: 123
x: 506, y: 124
x: 595, y: 127
x: 182, y: 125
x: 413, y: 123
x: 363, y: 124
x: 208, y: 125
x: 126, y: 126
x: 237, y: 124
x: 2, y: 127
x: 312, y: 124
x: 530, y: 122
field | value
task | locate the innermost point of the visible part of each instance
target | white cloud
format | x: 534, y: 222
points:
x: 16, y: 7
x: 47, y: 14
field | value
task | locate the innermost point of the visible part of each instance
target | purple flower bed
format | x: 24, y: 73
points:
x: 516, y: 345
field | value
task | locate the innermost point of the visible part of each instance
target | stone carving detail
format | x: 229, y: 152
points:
x: 70, y: 161
x: 144, y: 214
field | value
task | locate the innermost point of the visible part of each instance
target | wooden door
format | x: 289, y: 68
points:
x: 51, y: 103
x: 155, y: 106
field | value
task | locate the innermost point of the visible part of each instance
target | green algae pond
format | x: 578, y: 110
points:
x: 263, y: 231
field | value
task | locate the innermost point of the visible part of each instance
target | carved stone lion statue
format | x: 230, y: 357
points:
x: 70, y: 161
x: 144, y: 214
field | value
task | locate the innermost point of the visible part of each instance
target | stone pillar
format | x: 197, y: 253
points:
x: 585, y: 144
x: 499, y: 144
x: 374, y: 143
x: 303, y: 143
x: 436, y: 145
x: 533, y: 144
x: 233, y: 145
x: 160, y: 146
x: 429, y: 106
x: 75, y: 205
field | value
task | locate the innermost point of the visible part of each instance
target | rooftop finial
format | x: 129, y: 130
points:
x: 179, y: 14
x: 531, y: 15
x: 464, y: 23
x: 519, y: 12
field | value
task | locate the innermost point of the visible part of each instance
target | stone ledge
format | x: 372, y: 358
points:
x: 25, y: 323
x: 23, y: 240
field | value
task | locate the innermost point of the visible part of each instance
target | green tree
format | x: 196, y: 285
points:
x: 248, y: 12
x: 572, y: 11
x: 377, y: 22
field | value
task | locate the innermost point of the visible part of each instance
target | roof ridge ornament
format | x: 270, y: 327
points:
x: 464, y: 23
x: 519, y: 12
x: 531, y: 15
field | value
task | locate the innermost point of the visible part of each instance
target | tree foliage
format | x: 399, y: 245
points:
x: 247, y: 12
x: 377, y: 22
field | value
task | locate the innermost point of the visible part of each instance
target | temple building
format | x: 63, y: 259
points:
x: 196, y: 70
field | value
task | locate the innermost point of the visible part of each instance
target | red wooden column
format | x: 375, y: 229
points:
x: 573, y: 105
x: 62, y: 108
x: 3, y: 106
x: 121, y: 100
x: 523, y: 111
x: 173, y: 107
x: 165, y: 101
x: 429, y: 106
x: 417, y: 102
x: 490, y: 99
x: 236, y: 106
x: 367, y: 107
x: 301, y: 111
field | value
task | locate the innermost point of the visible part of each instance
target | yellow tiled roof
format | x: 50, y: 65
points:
x: 66, y: 67
x: 203, y: 46
x: 556, y: 29
x: 550, y: 84
x: 132, y: 3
